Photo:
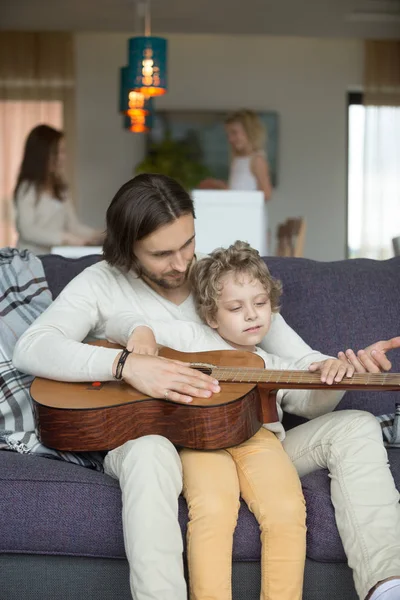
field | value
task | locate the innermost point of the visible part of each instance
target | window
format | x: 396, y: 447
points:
x: 373, y: 216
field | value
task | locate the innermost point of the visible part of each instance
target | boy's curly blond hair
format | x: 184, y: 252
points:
x: 240, y: 258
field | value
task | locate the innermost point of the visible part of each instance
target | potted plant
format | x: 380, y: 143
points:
x: 180, y: 159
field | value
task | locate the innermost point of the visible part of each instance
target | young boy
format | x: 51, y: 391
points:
x: 235, y: 295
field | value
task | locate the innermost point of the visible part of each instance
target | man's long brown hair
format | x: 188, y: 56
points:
x: 142, y: 205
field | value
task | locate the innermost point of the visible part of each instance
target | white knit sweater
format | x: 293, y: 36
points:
x: 52, y: 346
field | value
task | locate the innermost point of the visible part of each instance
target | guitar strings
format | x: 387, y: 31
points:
x: 277, y: 376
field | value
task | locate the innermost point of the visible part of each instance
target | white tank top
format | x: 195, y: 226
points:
x: 241, y: 176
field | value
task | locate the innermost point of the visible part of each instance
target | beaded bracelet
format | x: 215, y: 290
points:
x: 121, y: 363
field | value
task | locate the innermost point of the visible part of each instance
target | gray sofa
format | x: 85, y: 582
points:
x: 60, y: 524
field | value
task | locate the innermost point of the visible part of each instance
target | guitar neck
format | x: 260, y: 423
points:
x: 304, y: 379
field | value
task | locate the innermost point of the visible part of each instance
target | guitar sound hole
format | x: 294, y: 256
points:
x: 203, y: 369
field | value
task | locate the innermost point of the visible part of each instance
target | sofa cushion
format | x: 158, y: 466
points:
x: 345, y: 304
x: 52, y: 507
x: 59, y: 270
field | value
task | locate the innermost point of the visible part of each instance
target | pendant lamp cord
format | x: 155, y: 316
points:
x: 143, y: 13
x: 147, y: 23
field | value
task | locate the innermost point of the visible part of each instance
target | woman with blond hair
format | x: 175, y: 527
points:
x: 249, y: 168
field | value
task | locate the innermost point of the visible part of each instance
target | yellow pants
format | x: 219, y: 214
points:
x: 261, y: 472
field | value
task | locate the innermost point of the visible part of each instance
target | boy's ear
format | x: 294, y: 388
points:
x: 212, y: 323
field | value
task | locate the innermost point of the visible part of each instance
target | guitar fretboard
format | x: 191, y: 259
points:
x: 299, y: 379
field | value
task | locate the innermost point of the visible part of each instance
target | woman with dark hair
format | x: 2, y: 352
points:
x: 45, y: 214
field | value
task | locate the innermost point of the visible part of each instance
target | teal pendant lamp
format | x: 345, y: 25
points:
x: 148, y: 65
x: 147, y: 56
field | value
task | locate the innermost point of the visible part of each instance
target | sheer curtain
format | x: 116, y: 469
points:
x: 380, y: 206
x: 381, y: 198
x: 36, y: 86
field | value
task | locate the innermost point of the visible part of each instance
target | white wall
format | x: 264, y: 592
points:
x: 304, y: 79
x: 105, y: 152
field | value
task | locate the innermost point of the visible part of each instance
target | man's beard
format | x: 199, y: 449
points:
x: 164, y: 282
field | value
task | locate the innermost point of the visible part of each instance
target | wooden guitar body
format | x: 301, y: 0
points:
x: 101, y: 416
x: 86, y: 417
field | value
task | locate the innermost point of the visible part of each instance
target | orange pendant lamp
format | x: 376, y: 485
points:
x: 135, y: 106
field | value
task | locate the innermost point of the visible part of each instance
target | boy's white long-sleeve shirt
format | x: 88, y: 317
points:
x: 198, y: 337
x: 52, y: 346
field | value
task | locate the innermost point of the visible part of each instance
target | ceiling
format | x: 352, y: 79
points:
x: 321, y: 18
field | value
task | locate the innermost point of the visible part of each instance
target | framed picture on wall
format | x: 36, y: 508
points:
x: 203, y: 135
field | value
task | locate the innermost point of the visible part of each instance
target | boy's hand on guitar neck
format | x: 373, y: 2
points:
x: 370, y: 360
x: 170, y: 379
x: 332, y: 370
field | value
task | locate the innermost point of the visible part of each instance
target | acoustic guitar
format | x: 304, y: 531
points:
x: 104, y: 415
